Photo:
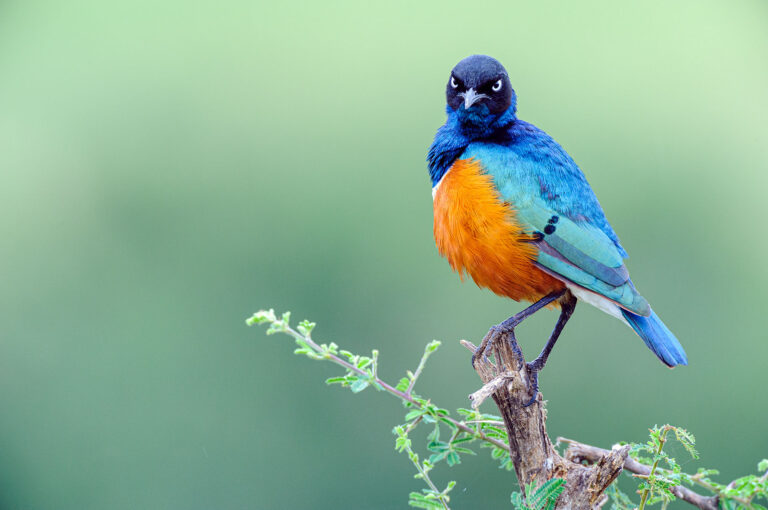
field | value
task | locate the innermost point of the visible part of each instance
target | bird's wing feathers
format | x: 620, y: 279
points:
x: 577, y: 244
x: 582, y: 255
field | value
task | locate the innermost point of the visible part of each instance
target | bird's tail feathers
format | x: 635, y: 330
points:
x: 657, y: 337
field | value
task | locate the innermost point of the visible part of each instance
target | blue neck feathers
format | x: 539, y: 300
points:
x: 462, y: 128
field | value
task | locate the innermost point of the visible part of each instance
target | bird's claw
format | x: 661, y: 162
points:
x: 491, y: 339
x: 487, y: 344
x: 533, y: 376
x: 515, y: 347
x: 494, y: 335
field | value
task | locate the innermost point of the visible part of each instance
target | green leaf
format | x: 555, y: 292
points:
x: 763, y: 465
x: 449, y: 423
x: 687, y: 440
x: 453, y: 458
x: 546, y: 496
x: 414, y: 414
x: 402, y: 443
x: 261, y: 317
x: 418, y: 500
x: 437, y: 446
x: 305, y: 327
x: 359, y: 385
x: 517, y: 501
x: 437, y: 457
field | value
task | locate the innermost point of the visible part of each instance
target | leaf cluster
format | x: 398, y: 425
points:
x: 666, y: 474
x: 543, y: 498
x: 451, y: 437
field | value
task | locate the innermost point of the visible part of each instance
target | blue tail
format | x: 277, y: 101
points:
x: 657, y: 337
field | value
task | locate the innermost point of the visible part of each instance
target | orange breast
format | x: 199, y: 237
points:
x: 479, y: 235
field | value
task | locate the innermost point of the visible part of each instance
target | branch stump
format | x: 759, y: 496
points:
x: 507, y: 381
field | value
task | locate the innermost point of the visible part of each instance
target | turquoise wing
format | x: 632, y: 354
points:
x: 583, y: 255
x: 551, y: 196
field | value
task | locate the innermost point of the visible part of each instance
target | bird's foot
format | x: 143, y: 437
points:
x: 498, y: 333
x: 508, y: 328
x: 516, y: 348
x: 534, y: 367
x: 489, y: 341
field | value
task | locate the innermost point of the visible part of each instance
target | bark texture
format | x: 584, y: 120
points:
x: 507, y: 380
x: 579, y: 452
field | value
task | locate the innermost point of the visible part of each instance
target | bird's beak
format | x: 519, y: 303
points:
x: 471, y: 97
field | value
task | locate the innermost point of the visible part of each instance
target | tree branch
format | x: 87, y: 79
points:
x: 578, y: 452
x: 531, y: 451
x: 407, y: 397
x: 507, y: 380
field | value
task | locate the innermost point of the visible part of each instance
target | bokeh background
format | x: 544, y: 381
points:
x: 168, y: 168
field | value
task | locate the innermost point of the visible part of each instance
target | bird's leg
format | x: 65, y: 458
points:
x: 508, y: 326
x: 567, y: 305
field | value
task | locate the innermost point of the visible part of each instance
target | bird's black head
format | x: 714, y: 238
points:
x: 479, y: 81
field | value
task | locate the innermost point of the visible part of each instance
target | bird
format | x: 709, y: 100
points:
x: 514, y: 212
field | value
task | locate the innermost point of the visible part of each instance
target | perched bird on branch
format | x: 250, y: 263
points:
x: 513, y: 210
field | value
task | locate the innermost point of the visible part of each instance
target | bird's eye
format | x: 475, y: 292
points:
x: 454, y: 84
x: 496, y: 86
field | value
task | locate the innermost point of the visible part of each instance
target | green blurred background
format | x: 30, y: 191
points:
x: 169, y: 168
